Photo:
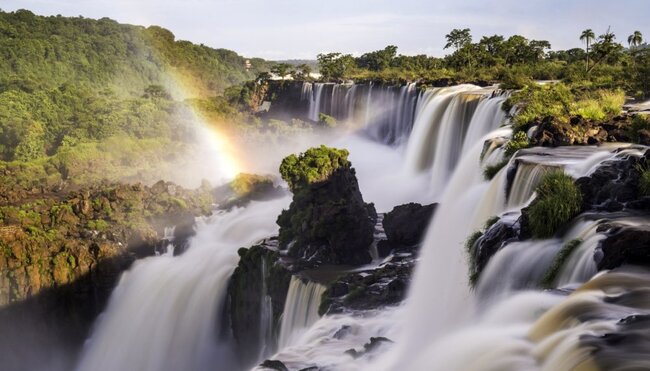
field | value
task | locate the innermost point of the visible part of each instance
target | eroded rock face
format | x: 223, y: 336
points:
x: 614, y: 186
x: 579, y: 131
x: 259, y: 276
x: 327, y: 222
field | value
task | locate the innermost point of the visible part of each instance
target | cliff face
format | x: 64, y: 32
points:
x: 258, y: 287
x: 61, y: 254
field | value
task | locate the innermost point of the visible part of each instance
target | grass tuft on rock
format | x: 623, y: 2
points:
x: 558, y: 201
x: 549, y: 278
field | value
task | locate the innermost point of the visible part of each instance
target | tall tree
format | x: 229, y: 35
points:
x: 587, y: 36
x: 635, y: 39
x: 606, y: 48
x: 460, y: 39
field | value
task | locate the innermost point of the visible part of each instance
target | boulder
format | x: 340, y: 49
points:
x: 405, y: 224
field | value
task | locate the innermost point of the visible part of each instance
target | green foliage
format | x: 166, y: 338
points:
x: 639, y: 122
x: 329, y: 121
x: 335, y: 66
x: 491, y: 170
x: 550, y: 276
x: 313, y: 166
x: 558, y: 201
x: 518, y: 141
x: 563, y: 101
x: 245, y: 184
x: 67, y: 84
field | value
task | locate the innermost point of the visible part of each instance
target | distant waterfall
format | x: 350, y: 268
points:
x: 300, y: 309
x: 385, y: 112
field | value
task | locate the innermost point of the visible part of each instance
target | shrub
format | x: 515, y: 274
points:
x: 491, y: 170
x: 638, y: 123
x: 329, y: 121
x: 518, y: 141
x: 558, y: 201
x: 313, y: 166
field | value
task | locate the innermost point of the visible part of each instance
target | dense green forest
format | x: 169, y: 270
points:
x: 514, y: 61
x: 75, y: 91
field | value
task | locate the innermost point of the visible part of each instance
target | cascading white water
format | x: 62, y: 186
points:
x: 300, y: 310
x: 163, y: 314
x: 385, y: 112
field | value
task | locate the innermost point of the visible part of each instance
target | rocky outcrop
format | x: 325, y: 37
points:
x: 551, y: 132
x: 368, y: 289
x: 405, y: 226
x: 259, y: 279
x: 614, y: 186
x: 624, y: 245
x: 327, y: 221
x: 246, y: 188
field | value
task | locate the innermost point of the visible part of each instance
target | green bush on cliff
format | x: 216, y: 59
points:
x: 518, y: 141
x: 558, y: 201
x: 313, y: 166
x: 563, y: 101
x: 639, y: 122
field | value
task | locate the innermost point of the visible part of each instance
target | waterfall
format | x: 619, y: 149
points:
x: 448, y: 123
x: 300, y: 310
x: 163, y: 314
x: 385, y: 113
x: 266, y: 315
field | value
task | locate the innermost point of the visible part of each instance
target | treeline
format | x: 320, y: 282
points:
x: 514, y: 61
x: 66, y: 82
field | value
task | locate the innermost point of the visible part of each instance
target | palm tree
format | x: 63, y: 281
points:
x: 635, y: 39
x: 587, y: 36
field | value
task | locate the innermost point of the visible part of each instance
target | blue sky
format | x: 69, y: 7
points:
x: 283, y: 29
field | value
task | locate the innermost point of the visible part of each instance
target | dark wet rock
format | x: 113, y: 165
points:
x: 343, y: 332
x: 327, y: 222
x: 613, y: 186
x: 372, y: 288
x: 625, y: 245
x: 258, y: 275
x: 274, y: 365
x: 246, y: 188
x: 628, y: 345
x: 496, y: 237
x: 405, y: 225
x: 374, y: 344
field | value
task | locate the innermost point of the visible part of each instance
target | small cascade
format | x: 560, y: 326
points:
x: 300, y: 310
x: 526, y: 180
x: 266, y: 315
x: 167, y: 243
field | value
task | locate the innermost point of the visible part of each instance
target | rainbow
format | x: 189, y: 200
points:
x: 223, y: 150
